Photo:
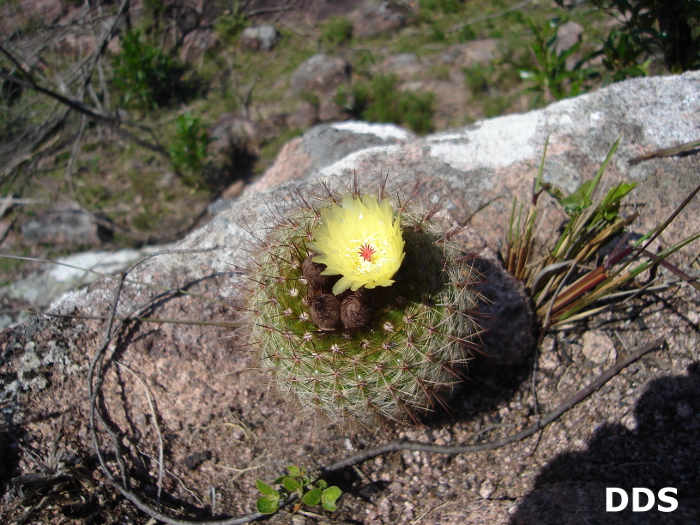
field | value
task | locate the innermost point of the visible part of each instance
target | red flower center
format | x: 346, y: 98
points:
x: 366, y: 252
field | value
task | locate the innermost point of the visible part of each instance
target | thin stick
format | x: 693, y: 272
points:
x: 155, y: 424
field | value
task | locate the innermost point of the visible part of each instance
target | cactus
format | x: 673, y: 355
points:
x: 388, y: 351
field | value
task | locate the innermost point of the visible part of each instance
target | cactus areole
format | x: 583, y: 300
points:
x: 362, y: 309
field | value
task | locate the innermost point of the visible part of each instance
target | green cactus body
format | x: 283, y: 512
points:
x: 418, y: 334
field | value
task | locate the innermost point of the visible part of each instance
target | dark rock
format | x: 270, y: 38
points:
x: 505, y: 315
x: 195, y: 460
x: 321, y: 74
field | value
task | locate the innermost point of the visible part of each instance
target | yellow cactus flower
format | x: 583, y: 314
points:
x: 359, y: 240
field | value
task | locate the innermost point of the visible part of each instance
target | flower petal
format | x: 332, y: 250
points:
x: 359, y: 240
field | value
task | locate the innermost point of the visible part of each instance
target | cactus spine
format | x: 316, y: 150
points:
x: 385, y: 352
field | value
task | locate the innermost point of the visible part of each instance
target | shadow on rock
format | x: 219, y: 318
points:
x: 662, y: 451
x: 504, y: 346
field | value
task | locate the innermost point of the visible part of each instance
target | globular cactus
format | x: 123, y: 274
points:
x: 372, y: 340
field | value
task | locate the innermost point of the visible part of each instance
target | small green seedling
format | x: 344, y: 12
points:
x: 308, y: 492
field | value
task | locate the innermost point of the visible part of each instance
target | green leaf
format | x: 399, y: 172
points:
x: 579, y: 200
x: 313, y: 497
x: 329, y: 497
x: 294, y: 471
x: 266, y: 489
x: 329, y: 505
x: 332, y: 493
x: 321, y: 484
x: 268, y: 504
x: 290, y: 484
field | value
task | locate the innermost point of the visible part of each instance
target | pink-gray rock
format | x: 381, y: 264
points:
x: 598, y: 347
x: 405, y: 65
x: 18, y: 15
x: 205, y: 383
x: 329, y: 111
x: 374, y: 20
x: 306, y: 115
x: 196, y: 43
x: 471, y: 53
x: 568, y: 35
x: 63, y: 225
x: 321, y: 74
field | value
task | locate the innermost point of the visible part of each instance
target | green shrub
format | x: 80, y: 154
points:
x: 308, y: 491
x: 668, y: 26
x: 380, y: 101
x: 144, y: 75
x: 416, y: 111
x: 622, y: 58
x: 466, y: 34
x: 441, y: 6
x: 478, y: 79
x: 550, y: 75
x: 231, y: 22
x: 336, y: 32
x: 189, y: 150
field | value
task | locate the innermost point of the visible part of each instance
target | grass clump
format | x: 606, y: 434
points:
x: 145, y: 76
x: 188, y: 151
x: 379, y: 100
x: 336, y: 32
x: 562, y: 290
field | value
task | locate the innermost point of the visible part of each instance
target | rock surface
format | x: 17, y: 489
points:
x: 640, y: 429
x: 320, y: 73
x: 379, y: 18
x: 63, y: 225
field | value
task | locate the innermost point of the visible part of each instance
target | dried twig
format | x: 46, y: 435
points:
x: 667, y: 152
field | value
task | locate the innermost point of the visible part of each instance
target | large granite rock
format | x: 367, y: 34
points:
x: 212, y: 403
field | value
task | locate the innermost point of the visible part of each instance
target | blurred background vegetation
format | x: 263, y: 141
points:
x: 117, y: 107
